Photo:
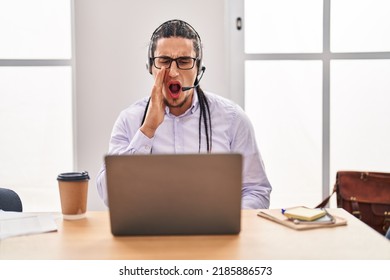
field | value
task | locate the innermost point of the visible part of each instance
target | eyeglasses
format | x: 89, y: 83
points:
x: 183, y: 62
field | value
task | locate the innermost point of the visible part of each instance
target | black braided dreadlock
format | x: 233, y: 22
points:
x: 178, y: 28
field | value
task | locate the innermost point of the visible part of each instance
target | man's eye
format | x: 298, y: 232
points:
x: 184, y: 61
x: 164, y: 60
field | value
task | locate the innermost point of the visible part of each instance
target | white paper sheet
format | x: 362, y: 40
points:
x: 19, y: 223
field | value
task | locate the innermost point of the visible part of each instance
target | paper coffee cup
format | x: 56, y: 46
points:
x: 73, y: 188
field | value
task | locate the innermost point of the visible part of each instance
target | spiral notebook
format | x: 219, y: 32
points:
x: 277, y: 216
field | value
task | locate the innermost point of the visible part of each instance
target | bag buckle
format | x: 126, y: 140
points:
x: 355, y: 208
x: 386, y: 222
x: 364, y: 175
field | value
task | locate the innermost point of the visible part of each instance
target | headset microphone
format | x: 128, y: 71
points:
x: 197, y: 83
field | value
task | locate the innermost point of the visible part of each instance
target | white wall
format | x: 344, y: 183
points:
x: 111, y: 39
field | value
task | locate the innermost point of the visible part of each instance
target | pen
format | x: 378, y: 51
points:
x: 283, y: 210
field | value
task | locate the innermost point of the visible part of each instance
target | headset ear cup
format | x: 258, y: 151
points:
x: 149, y: 62
x: 200, y: 66
x: 149, y: 65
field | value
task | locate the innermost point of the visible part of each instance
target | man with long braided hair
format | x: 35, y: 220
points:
x: 177, y: 118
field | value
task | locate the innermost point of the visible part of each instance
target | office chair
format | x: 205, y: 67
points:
x: 10, y: 200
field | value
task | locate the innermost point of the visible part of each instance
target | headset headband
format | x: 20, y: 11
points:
x: 150, y: 55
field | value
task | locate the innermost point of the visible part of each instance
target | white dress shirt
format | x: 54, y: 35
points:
x: 232, y: 131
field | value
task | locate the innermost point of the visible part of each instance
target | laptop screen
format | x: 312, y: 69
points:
x: 174, y: 194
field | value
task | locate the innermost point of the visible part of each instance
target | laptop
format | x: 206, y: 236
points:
x: 174, y: 194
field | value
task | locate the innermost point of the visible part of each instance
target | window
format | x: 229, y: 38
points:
x: 36, y: 120
x: 314, y: 73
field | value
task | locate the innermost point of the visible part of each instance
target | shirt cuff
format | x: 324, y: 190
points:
x: 141, y: 144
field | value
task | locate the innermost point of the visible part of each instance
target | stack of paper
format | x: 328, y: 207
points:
x: 18, y: 223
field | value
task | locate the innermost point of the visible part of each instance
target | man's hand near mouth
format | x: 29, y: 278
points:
x: 155, y: 115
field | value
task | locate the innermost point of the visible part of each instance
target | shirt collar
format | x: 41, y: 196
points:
x: 195, y: 102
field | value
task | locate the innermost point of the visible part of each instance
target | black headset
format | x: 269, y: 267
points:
x: 149, y: 63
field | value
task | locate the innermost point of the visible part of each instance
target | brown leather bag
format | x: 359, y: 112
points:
x: 366, y: 195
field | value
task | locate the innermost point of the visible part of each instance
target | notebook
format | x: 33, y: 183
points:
x: 174, y: 194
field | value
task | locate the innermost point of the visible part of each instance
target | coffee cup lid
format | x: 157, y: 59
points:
x: 73, y: 176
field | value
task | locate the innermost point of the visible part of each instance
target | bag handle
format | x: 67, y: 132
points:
x: 326, y: 200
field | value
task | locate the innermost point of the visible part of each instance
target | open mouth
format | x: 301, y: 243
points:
x: 174, y: 89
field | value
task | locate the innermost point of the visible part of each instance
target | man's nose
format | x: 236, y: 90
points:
x: 173, y: 70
